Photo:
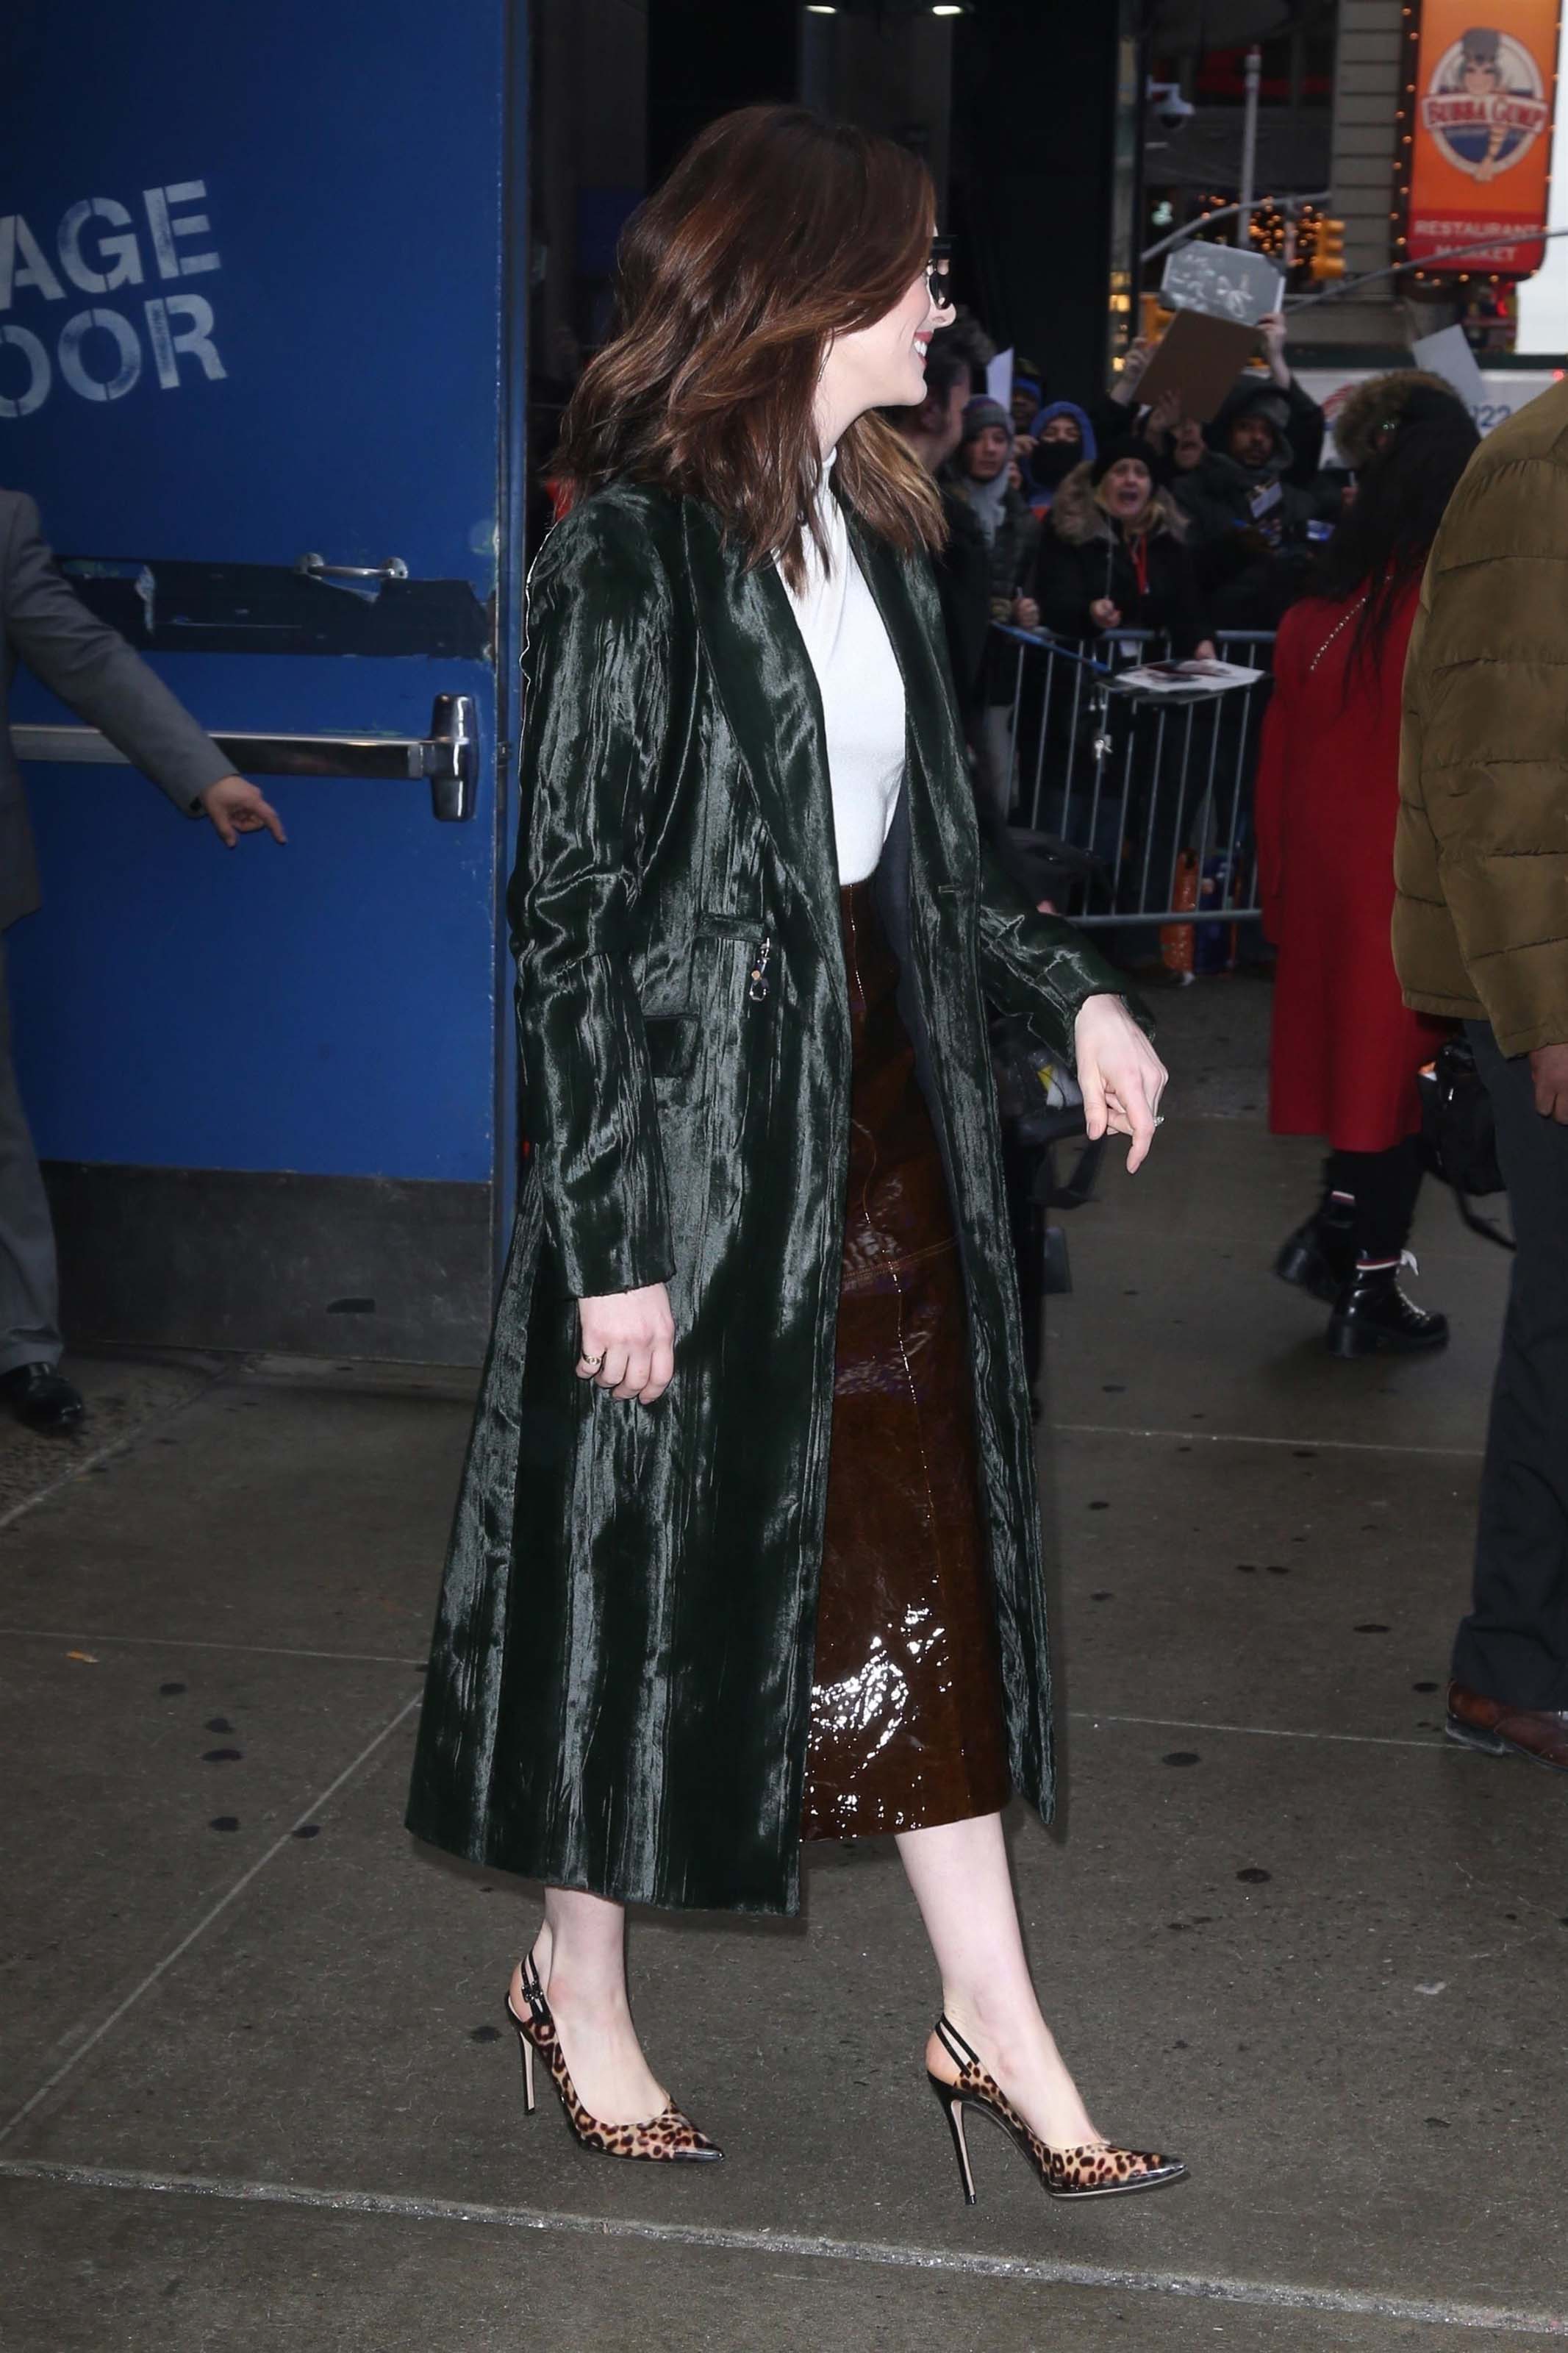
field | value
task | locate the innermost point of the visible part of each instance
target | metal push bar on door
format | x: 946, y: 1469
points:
x: 448, y: 758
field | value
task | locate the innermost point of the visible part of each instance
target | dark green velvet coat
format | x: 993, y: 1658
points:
x: 620, y: 1683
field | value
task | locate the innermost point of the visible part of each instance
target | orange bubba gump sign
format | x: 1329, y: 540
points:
x: 1481, y: 83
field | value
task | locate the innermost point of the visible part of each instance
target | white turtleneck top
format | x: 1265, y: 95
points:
x: 862, y: 691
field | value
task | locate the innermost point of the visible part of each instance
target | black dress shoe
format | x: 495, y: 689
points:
x: 1372, y: 1313
x: 1320, y: 1256
x: 42, y: 1397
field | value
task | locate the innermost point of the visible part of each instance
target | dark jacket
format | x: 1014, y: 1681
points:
x: 620, y: 1683
x: 92, y: 668
x: 1480, y: 858
x: 1252, y: 536
x: 1085, y: 556
x: 1011, y: 557
x: 963, y: 589
x: 1012, y: 549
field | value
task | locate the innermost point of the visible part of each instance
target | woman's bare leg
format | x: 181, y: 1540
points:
x: 581, y: 1956
x: 964, y: 1888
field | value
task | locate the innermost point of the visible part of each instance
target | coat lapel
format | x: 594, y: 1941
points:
x: 768, y: 692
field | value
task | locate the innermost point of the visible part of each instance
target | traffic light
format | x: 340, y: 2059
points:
x: 1328, y: 251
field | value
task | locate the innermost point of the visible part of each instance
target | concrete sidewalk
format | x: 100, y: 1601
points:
x: 256, y: 2089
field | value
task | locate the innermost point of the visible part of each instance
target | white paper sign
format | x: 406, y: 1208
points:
x: 1223, y: 282
x: 999, y: 379
x: 1448, y: 354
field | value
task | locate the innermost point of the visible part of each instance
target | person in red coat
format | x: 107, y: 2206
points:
x: 1346, y: 1050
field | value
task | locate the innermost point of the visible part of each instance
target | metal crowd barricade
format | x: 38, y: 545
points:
x: 1149, y: 797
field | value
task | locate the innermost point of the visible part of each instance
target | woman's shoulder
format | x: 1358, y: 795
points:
x: 620, y: 538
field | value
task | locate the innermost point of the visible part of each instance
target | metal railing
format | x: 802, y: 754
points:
x: 1148, y: 797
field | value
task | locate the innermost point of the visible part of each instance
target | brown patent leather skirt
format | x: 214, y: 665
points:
x: 907, y: 1725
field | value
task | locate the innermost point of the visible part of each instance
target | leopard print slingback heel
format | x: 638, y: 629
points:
x: 670, y: 2136
x: 1097, y: 2170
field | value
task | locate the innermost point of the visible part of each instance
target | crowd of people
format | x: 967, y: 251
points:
x: 1111, y: 515
x: 1093, y: 520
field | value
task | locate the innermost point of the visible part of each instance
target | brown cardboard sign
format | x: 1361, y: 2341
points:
x: 1199, y: 359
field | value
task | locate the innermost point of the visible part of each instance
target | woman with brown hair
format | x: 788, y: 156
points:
x: 747, y: 1548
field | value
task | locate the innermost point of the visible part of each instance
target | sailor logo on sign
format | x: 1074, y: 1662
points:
x: 1486, y: 106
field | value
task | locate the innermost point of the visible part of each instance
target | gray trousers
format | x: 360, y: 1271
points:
x: 29, y: 1285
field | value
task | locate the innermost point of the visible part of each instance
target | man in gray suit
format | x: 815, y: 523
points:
x: 88, y: 665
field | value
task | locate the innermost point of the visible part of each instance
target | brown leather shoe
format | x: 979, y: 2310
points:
x: 1498, y: 1730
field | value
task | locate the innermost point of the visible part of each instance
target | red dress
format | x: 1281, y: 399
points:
x: 1346, y: 1049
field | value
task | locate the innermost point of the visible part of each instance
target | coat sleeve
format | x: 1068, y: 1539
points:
x: 1486, y: 685
x: 595, y: 725
x: 90, y: 667
x: 1038, y: 965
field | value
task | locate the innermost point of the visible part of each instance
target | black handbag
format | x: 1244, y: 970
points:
x: 1459, y: 1130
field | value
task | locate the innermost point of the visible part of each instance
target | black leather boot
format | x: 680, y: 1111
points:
x: 42, y: 1397
x: 1320, y: 1256
x: 1372, y: 1313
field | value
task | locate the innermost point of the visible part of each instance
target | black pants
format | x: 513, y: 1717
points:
x: 1513, y: 1646
x: 1385, y: 1185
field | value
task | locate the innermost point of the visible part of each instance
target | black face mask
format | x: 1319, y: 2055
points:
x: 1050, y: 462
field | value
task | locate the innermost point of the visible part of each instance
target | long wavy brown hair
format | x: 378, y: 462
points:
x: 774, y: 232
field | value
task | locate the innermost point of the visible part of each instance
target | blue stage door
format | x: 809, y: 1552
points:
x: 258, y: 297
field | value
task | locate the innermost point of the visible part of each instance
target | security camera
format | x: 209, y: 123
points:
x: 1171, y: 108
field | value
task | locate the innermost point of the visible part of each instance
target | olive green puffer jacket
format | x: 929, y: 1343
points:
x: 1480, y: 862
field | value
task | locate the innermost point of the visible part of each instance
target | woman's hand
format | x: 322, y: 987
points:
x: 1120, y: 1075
x: 1104, y: 614
x: 1026, y: 612
x: 1203, y: 650
x: 628, y: 1342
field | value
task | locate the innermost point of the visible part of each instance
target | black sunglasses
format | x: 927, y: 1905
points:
x: 939, y: 274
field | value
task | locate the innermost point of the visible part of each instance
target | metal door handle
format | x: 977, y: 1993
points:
x: 448, y: 758
x: 319, y: 568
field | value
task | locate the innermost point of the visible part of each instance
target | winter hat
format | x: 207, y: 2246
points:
x: 1030, y: 385
x: 1373, y: 409
x: 983, y: 411
x: 1131, y: 446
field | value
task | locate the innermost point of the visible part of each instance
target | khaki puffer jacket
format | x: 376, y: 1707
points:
x: 1480, y: 861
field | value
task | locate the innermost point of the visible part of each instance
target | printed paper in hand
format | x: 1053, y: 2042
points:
x: 1205, y: 677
